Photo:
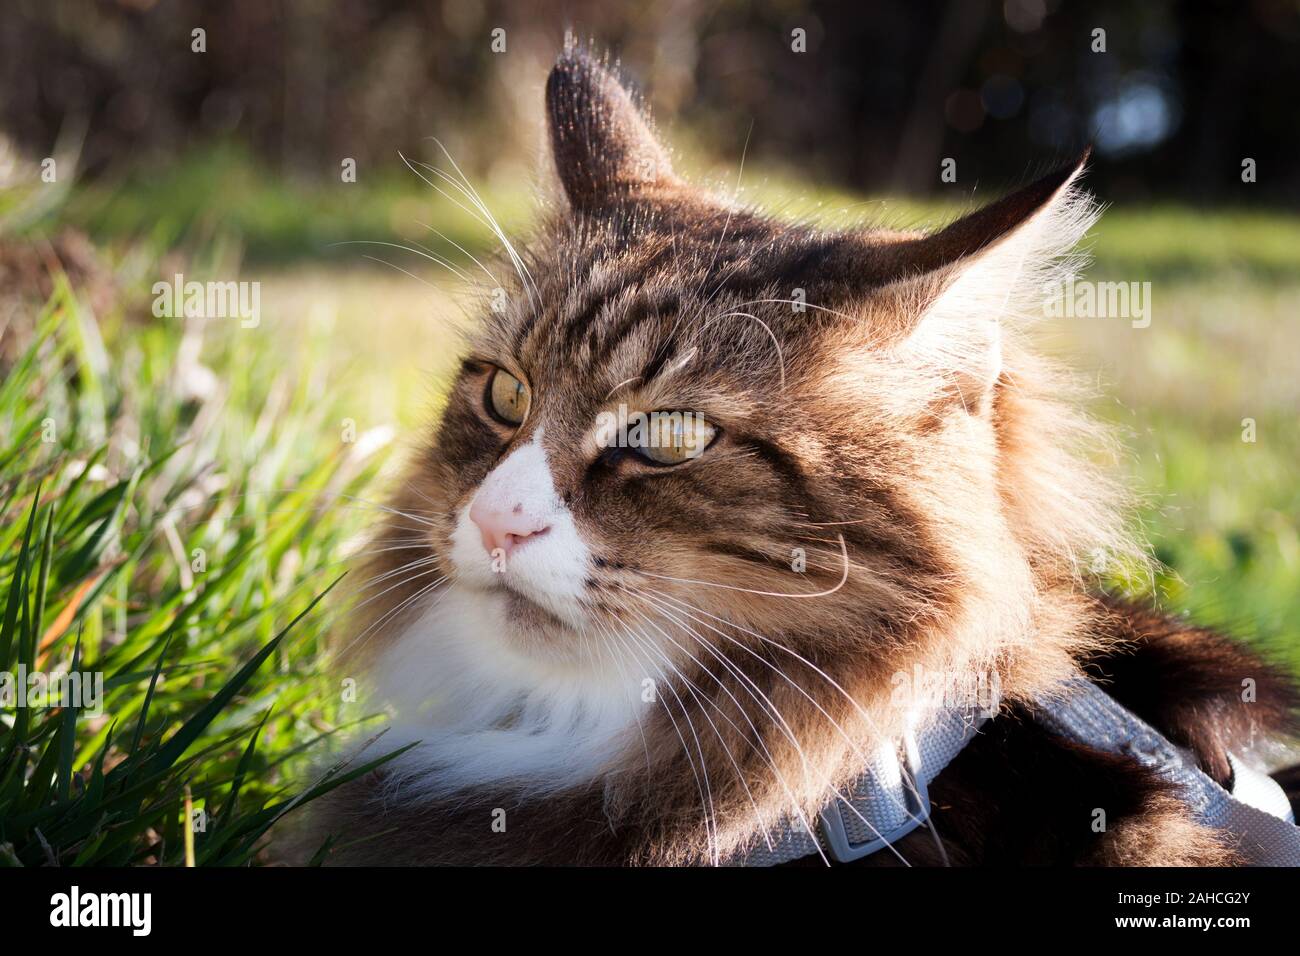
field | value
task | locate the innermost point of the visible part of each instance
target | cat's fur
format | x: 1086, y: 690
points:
x: 897, y: 429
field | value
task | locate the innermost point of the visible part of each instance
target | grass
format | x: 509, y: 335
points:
x: 175, y: 537
x: 176, y: 496
x: 1222, y: 511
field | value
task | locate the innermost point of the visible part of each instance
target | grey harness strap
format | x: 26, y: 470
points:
x: 1256, y: 813
x: 890, y: 799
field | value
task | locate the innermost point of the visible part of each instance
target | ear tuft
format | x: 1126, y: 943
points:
x: 989, y: 273
x: 990, y: 225
x: 603, y: 145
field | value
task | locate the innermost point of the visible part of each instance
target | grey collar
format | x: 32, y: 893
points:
x: 887, y: 801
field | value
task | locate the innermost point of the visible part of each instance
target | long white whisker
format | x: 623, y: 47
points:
x: 844, y: 550
x: 473, y: 258
x: 485, y: 217
x: 617, y: 653
x: 395, y: 511
x: 808, y: 305
x: 420, y: 251
x: 780, y: 355
x: 760, y: 746
x: 727, y: 223
x: 833, y: 722
x: 401, y: 606
x: 486, y: 222
x: 405, y: 272
x: 764, y: 701
x: 405, y: 580
x: 693, y: 688
x: 712, y: 815
x: 417, y: 563
x: 452, y: 199
x: 686, y: 750
x: 478, y: 200
x: 842, y: 732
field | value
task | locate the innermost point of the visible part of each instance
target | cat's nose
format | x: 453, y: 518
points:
x: 506, y: 528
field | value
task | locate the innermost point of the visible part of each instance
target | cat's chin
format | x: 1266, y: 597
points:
x: 528, y: 626
x: 530, y: 621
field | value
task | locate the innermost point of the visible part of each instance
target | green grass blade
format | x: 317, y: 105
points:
x: 189, y: 732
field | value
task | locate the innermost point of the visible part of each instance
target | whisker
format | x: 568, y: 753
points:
x: 727, y: 223
x: 699, y: 785
x: 378, y: 578
x: 733, y: 587
x: 485, y: 219
x: 780, y: 355
x: 492, y: 278
x: 393, y: 265
x: 648, y: 645
x: 767, y: 704
x: 846, y: 737
x: 809, y: 305
x: 420, y: 251
x: 467, y: 190
x: 834, y: 684
x: 404, y: 604
x: 391, y: 510
x: 404, y: 581
x: 758, y: 737
x: 617, y: 656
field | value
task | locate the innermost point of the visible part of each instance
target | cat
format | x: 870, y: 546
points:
x: 652, y: 643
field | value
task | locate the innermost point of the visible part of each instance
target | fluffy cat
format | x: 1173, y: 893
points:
x: 653, y: 648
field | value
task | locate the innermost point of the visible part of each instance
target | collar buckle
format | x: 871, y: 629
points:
x: 913, y: 794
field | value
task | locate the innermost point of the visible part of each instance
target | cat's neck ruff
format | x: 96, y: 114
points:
x: 484, y: 710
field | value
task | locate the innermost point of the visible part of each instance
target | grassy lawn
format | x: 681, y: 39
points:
x: 175, y: 495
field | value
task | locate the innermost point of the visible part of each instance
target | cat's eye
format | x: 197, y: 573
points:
x: 507, y: 397
x: 672, y: 438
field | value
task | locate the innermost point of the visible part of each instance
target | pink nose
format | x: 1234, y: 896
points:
x: 505, y: 529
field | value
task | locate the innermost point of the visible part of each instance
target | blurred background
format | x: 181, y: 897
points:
x: 227, y: 163
x: 1182, y: 91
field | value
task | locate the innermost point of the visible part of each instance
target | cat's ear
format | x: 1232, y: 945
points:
x: 965, y: 283
x: 603, y: 145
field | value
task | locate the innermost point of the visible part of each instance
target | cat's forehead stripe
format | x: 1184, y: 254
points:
x: 611, y: 294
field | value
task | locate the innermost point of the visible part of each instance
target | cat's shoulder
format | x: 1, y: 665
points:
x: 1019, y: 794
x: 1204, y: 690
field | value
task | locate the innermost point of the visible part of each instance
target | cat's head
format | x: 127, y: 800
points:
x: 685, y: 416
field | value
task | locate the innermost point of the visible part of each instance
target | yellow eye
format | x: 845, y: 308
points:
x: 671, y: 438
x: 507, y: 397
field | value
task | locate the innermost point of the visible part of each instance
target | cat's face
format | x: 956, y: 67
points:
x: 632, y: 427
x: 687, y: 414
